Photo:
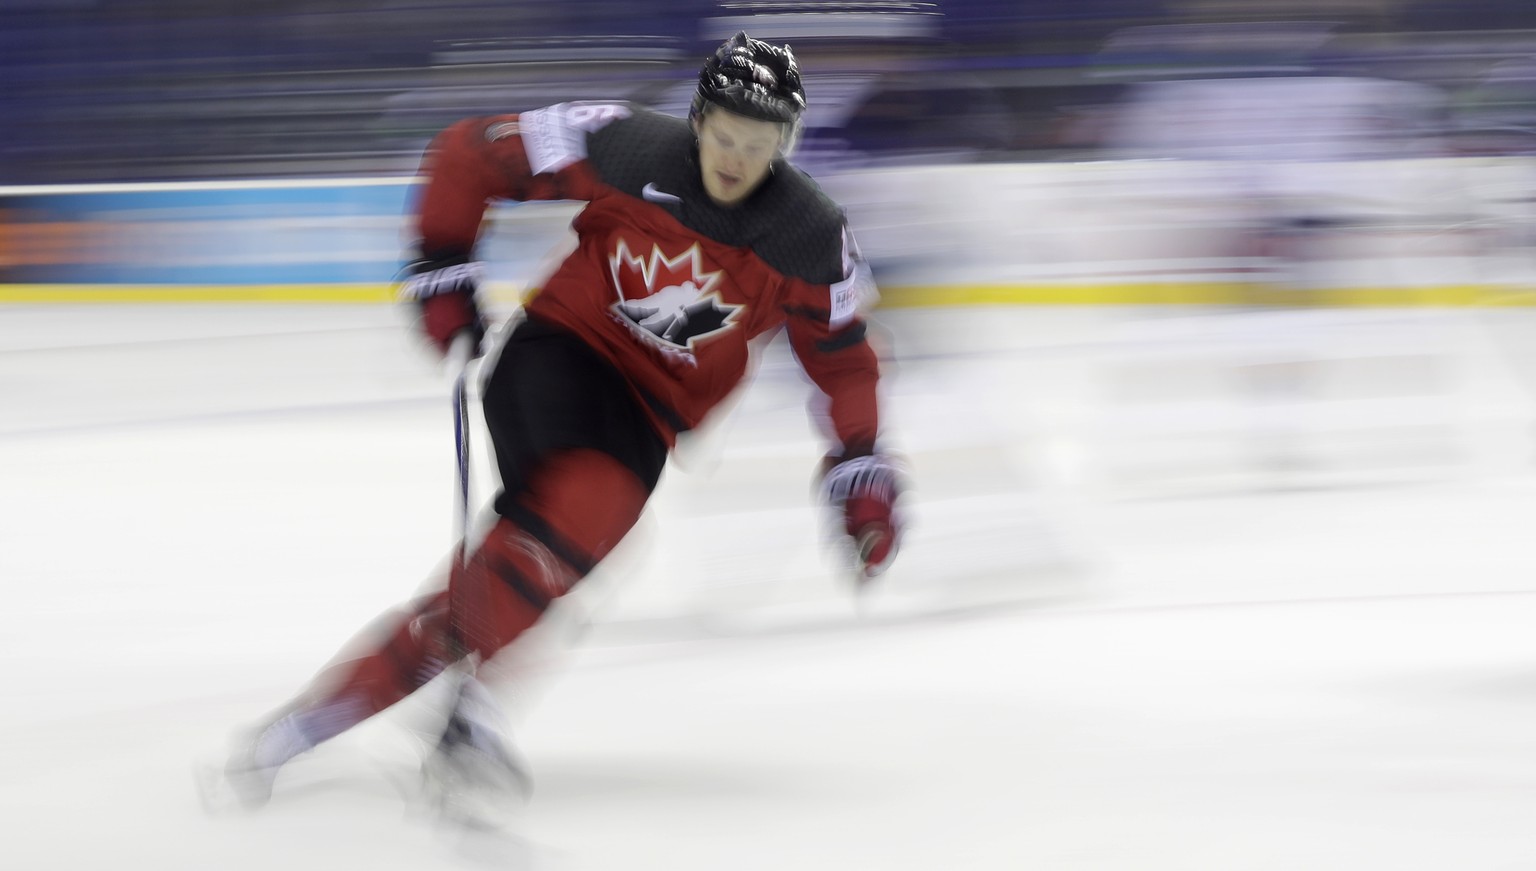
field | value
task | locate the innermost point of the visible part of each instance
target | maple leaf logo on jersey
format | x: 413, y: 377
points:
x: 669, y: 300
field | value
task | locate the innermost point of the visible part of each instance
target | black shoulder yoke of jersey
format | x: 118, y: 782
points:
x: 788, y: 222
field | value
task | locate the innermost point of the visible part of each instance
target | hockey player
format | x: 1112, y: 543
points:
x: 697, y: 237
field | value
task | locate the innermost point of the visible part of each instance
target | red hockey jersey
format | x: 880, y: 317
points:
x: 664, y: 284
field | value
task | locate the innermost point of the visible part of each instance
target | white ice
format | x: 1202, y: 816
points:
x: 1182, y: 591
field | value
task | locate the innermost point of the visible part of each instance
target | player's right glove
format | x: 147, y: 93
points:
x: 443, y: 290
x: 865, y: 489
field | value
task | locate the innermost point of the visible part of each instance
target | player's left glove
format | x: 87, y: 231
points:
x: 866, y: 489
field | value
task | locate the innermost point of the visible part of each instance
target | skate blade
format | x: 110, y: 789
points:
x: 219, y: 795
x: 488, y: 801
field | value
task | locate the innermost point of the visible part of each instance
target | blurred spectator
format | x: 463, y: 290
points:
x: 1271, y: 131
x: 1498, y: 114
x: 114, y: 90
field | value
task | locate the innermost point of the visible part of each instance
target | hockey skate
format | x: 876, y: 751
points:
x: 246, y: 779
x: 472, y: 776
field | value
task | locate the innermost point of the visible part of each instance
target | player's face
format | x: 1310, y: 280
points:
x: 734, y: 154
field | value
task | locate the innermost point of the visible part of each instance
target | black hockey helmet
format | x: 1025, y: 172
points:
x: 752, y: 78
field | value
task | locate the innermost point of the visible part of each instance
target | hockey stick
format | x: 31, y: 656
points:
x: 458, y: 357
x: 460, y: 353
x: 465, y: 685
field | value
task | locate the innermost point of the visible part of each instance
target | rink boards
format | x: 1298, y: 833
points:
x: 1383, y: 233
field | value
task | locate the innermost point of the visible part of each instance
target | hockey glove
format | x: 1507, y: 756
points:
x: 444, y: 290
x: 865, y: 489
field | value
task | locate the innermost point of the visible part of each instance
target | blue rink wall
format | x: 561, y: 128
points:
x: 290, y: 240
x: 1431, y: 232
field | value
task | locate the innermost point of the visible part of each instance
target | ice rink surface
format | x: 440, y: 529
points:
x: 1182, y: 591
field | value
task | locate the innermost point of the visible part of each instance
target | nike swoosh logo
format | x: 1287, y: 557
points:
x: 651, y: 193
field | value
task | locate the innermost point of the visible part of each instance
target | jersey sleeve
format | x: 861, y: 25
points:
x: 535, y: 155
x: 828, y: 335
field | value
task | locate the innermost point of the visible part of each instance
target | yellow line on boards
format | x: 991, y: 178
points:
x: 196, y: 293
x: 1194, y: 293
x: 1213, y: 293
x: 1058, y: 294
